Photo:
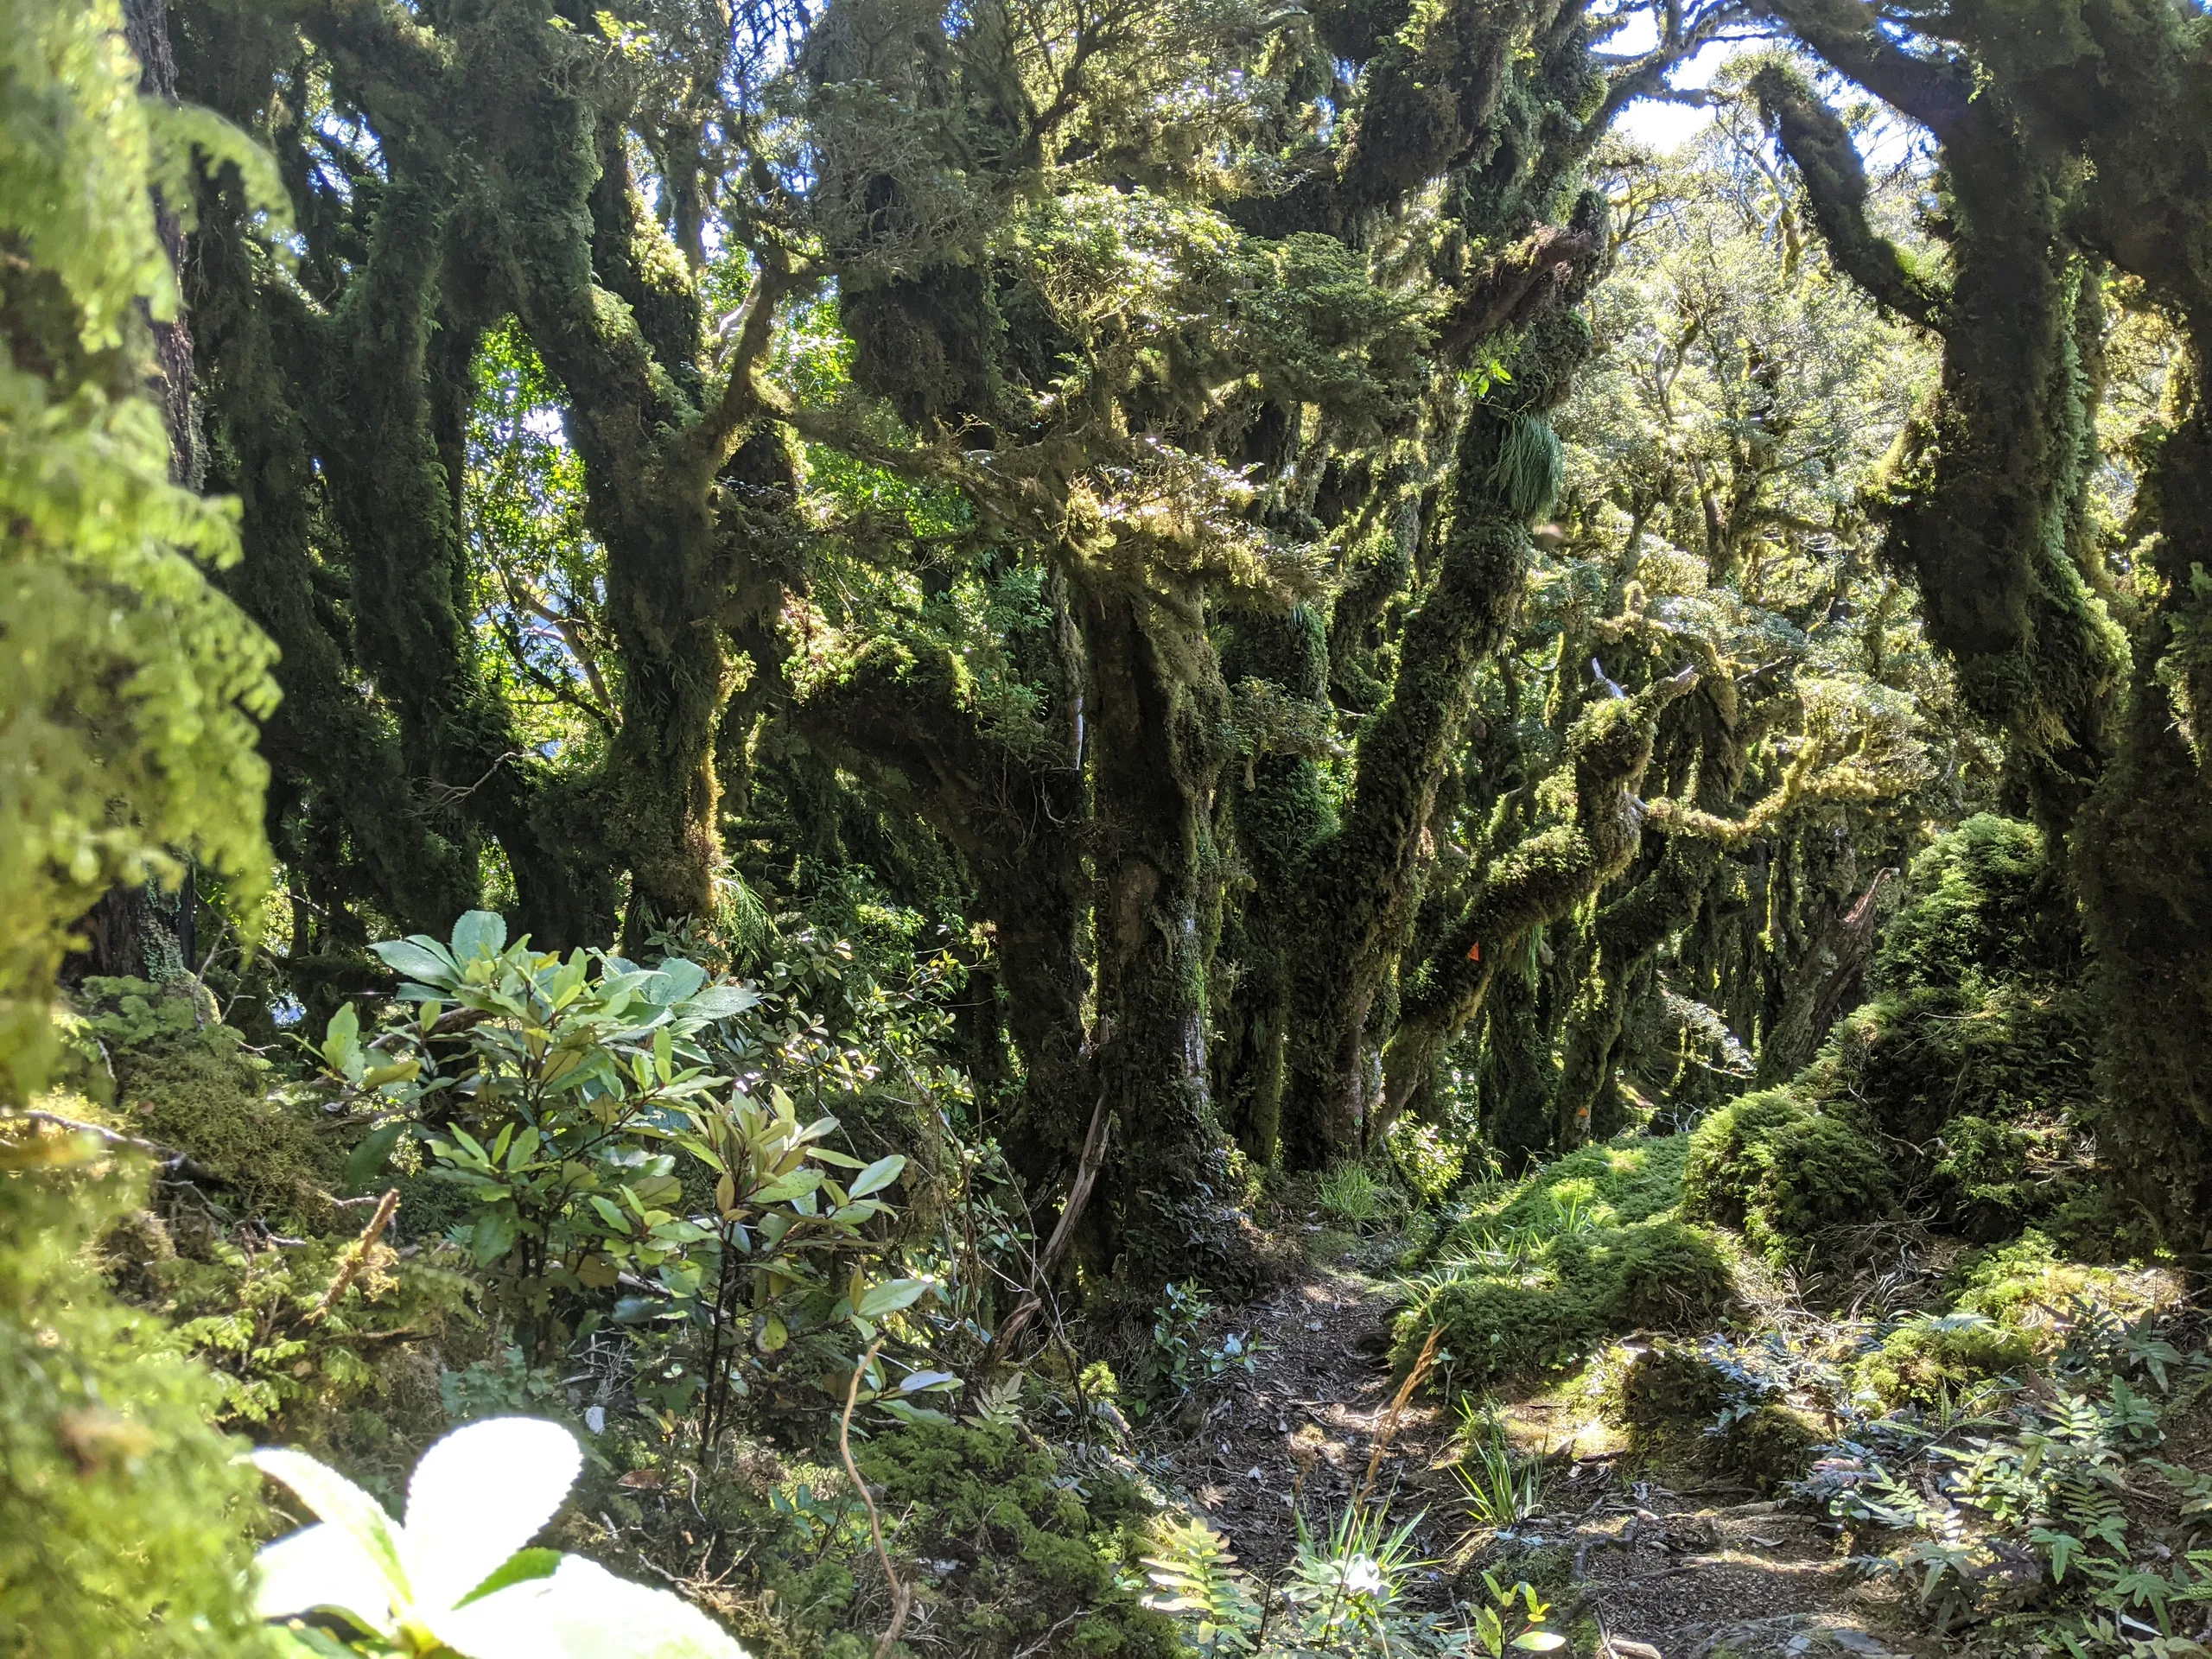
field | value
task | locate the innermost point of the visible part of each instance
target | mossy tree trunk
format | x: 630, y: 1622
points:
x: 2144, y: 862
x: 1278, y: 809
x: 1154, y: 770
x: 905, y: 724
x: 341, y: 424
x: 1360, y: 888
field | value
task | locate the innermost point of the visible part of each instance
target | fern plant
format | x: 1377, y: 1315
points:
x: 1195, y: 1579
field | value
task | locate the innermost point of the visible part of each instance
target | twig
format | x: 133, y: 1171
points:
x: 1086, y: 1177
x: 168, y: 1157
x: 214, y: 950
x: 902, y: 1594
x: 1389, y: 1430
x: 78, y: 1126
x: 356, y: 1257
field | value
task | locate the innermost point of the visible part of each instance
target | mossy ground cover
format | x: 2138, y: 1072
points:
x: 1535, y: 1274
x: 1018, y: 1544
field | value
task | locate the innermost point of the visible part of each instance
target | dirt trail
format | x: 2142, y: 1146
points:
x: 1689, y: 1570
x: 1303, y: 1425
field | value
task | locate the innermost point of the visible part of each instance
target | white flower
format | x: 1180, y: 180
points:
x: 1363, y: 1576
x: 456, y: 1573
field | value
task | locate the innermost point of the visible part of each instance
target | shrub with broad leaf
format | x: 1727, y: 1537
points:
x: 458, y: 1576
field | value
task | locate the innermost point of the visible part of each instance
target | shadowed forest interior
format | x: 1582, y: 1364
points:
x: 868, y: 829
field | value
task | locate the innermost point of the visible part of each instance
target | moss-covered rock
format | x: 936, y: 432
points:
x: 1789, y: 1176
x: 1974, y: 1061
x: 1017, y: 1546
x: 2028, y: 1286
x: 1541, y: 1272
x: 1980, y: 911
x: 1929, y: 1358
x: 1771, y: 1444
x: 1666, y: 1390
x: 1550, y: 1308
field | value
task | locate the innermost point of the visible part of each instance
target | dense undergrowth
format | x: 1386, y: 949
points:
x: 676, y: 1253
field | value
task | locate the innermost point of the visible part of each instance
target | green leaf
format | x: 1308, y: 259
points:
x: 677, y: 981
x: 342, y: 1036
x: 2063, y: 1548
x: 494, y: 1237
x: 411, y: 960
x: 878, y: 1175
x: 521, y: 1566
x: 367, y: 1160
x: 1538, y: 1641
x: 889, y: 1298
x: 479, y: 933
x: 583, y: 1612
x: 478, y: 1496
x: 722, y: 1001
x: 356, y: 1515
x: 609, y: 1213
x: 798, y: 1183
x: 306, y: 1642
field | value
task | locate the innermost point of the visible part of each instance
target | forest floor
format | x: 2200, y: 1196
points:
x: 1649, y: 1561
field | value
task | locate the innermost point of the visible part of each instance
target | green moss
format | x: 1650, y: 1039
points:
x: 1022, y: 1548
x: 127, y: 1521
x: 2027, y: 1286
x: 1980, y: 909
x: 1772, y: 1444
x: 1620, y: 1181
x: 1666, y: 1388
x: 1721, y: 1174
x: 1539, y: 1302
x: 203, y: 1095
x: 1672, y: 1277
x: 1789, y: 1177
x: 1934, y: 1357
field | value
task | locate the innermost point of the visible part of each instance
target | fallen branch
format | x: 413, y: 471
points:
x: 356, y: 1257
x: 168, y: 1157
